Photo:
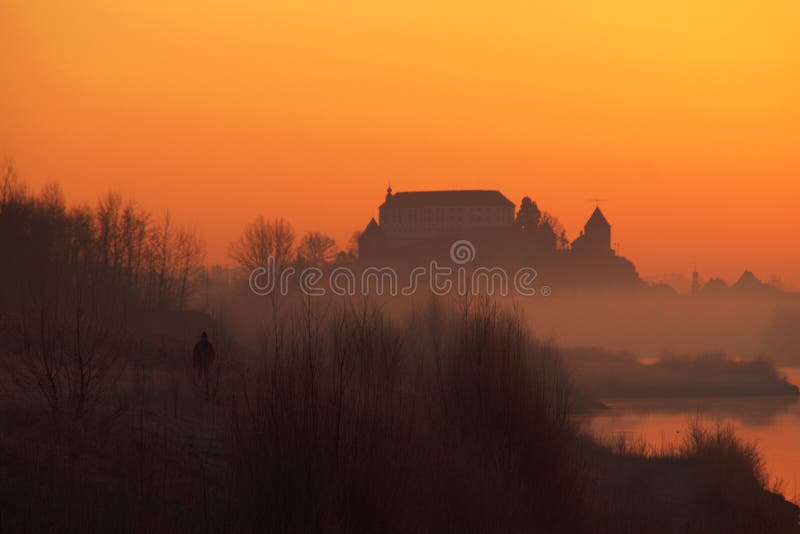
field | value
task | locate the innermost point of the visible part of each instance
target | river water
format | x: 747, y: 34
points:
x: 772, y: 422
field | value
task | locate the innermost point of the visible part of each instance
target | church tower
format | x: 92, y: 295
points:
x: 596, y: 235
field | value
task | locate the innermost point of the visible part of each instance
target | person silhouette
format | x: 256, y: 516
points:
x: 203, y: 358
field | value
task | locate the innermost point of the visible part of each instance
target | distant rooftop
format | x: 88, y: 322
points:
x: 597, y: 219
x: 473, y: 197
x: 748, y: 281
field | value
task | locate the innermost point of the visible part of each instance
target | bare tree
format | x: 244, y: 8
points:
x: 162, y: 261
x: 261, y: 240
x: 189, y: 255
x: 11, y: 189
x: 174, y: 258
x: 554, y: 231
x: 316, y: 249
x: 70, y: 339
x: 81, y: 243
x: 52, y: 198
x: 134, y: 228
x: 109, y: 234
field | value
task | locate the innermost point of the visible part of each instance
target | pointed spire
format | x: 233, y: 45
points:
x: 597, y: 218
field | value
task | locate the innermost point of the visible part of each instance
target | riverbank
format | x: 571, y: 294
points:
x: 602, y: 374
x: 711, y: 481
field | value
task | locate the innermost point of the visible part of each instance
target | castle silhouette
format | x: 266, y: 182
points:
x: 418, y: 226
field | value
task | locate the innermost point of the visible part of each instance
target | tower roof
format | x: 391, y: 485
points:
x: 597, y: 219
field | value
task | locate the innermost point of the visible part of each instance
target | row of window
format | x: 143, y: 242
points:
x: 451, y: 221
x: 441, y: 215
x: 416, y: 231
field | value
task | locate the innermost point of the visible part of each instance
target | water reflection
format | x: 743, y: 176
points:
x: 772, y: 422
x: 747, y: 411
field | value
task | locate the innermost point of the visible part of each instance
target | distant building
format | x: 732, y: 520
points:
x: 596, y: 236
x: 371, y: 243
x: 421, y: 214
x: 411, y: 224
x: 418, y: 226
x: 695, y: 288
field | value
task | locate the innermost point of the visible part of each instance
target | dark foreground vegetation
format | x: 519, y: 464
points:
x: 341, y: 418
x: 349, y: 422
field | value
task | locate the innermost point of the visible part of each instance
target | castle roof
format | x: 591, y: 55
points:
x: 474, y: 197
x: 372, y: 230
x: 597, y: 219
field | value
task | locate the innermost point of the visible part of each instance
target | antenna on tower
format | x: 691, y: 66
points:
x: 597, y: 201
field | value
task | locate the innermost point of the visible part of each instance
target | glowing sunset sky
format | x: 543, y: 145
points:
x: 685, y: 114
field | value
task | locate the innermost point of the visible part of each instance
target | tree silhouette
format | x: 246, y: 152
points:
x: 541, y: 229
x: 262, y: 239
x: 316, y: 249
x: 528, y: 216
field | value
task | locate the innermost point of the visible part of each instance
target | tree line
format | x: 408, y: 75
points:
x: 148, y: 260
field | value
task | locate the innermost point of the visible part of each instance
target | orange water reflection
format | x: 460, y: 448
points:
x: 772, y: 422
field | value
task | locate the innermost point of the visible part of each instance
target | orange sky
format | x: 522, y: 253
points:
x: 684, y: 113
